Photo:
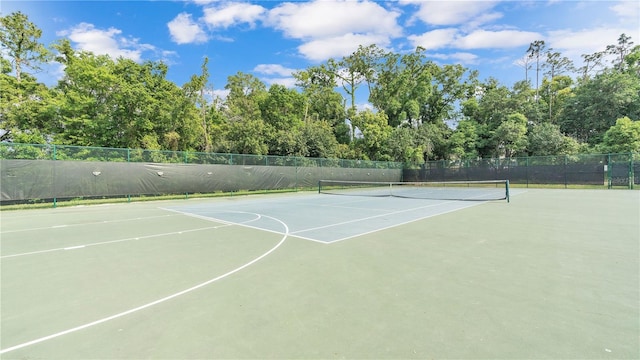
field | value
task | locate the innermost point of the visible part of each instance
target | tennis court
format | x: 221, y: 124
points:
x: 550, y: 274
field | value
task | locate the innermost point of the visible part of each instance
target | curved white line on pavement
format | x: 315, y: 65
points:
x: 159, y: 301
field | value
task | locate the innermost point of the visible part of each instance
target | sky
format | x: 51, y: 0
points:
x: 271, y: 39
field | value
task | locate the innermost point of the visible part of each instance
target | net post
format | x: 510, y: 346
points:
x: 506, y: 184
x: 319, y: 186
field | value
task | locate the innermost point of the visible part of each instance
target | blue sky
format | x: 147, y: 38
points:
x: 271, y: 39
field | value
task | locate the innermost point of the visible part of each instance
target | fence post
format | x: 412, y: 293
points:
x: 631, y: 171
x: 609, y: 185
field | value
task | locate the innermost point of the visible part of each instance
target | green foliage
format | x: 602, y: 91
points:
x: 119, y: 103
x: 596, y: 105
x: 547, y: 139
x: 622, y: 137
x: 464, y: 140
x: 511, y: 135
x: 20, y: 39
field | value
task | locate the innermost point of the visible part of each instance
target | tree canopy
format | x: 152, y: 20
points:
x: 419, y: 109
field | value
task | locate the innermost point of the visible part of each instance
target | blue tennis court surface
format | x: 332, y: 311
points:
x: 323, y: 218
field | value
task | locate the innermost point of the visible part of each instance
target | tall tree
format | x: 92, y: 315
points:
x: 591, y: 63
x: 195, y: 90
x: 448, y: 88
x: 19, y: 39
x: 403, y: 85
x: 620, y: 50
x: 245, y: 94
x: 525, y: 63
x: 556, y: 64
x: 535, y: 51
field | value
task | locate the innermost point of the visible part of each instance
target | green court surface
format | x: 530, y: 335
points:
x: 554, y: 274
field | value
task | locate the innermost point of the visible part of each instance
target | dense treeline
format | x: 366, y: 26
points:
x: 422, y: 110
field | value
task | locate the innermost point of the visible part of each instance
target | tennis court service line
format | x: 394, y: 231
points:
x: 296, y: 233
x: 159, y: 301
x: 374, y: 217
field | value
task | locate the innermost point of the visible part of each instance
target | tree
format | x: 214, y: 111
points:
x: 556, y: 65
x: 547, y: 139
x: 463, y: 141
x: 19, y: 40
x: 596, y: 104
x: 447, y: 89
x: 525, y: 63
x: 322, y: 102
x: 403, y: 85
x: 319, y: 140
x: 535, y: 51
x: 245, y: 94
x: 511, y: 135
x: 556, y: 92
x: 591, y: 63
x: 195, y: 91
x: 355, y: 69
x: 623, y: 137
x: 620, y: 50
x: 402, y: 146
x: 375, y: 132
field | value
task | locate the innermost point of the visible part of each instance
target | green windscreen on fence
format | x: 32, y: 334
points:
x: 610, y: 170
x: 47, y: 172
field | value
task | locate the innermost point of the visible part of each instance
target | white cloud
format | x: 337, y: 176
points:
x: 273, y: 69
x: 229, y: 14
x: 627, y: 9
x: 324, y: 19
x: 220, y: 93
x: 287, y: 82
x: 105, y: 42
x: 458, y: 57
x: 436, y: 39
x: 339, y: 46
x: 575, y: 43
x: 184, y: 30
x: 453, y: 12
x: 335, y: 28
x: 478, y: 39
x: 503, y: 39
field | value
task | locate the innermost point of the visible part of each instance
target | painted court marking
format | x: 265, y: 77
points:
x: 225, y: 224
x: 110, y: 242
x: 295, y: 233
x: 83, y: 224
x: 156, y: 302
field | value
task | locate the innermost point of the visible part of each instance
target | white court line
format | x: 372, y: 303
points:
x: 159, y: 301
x: 111, y: 241
x: 91, y: 223
x: 372, y: 217
x: 243, y: 224
x: 132, y: 238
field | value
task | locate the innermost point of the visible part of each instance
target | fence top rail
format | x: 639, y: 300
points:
x: 89, y: 153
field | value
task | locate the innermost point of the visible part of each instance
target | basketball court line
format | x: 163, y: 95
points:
x: 110, y: 242
x: 156, y: 302
x: 83, y: 224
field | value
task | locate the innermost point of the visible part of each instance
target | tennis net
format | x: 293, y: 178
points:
x: 448, y: 190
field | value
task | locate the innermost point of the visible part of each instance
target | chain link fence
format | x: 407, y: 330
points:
x: 590, y: 170
x: 51, y: 172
